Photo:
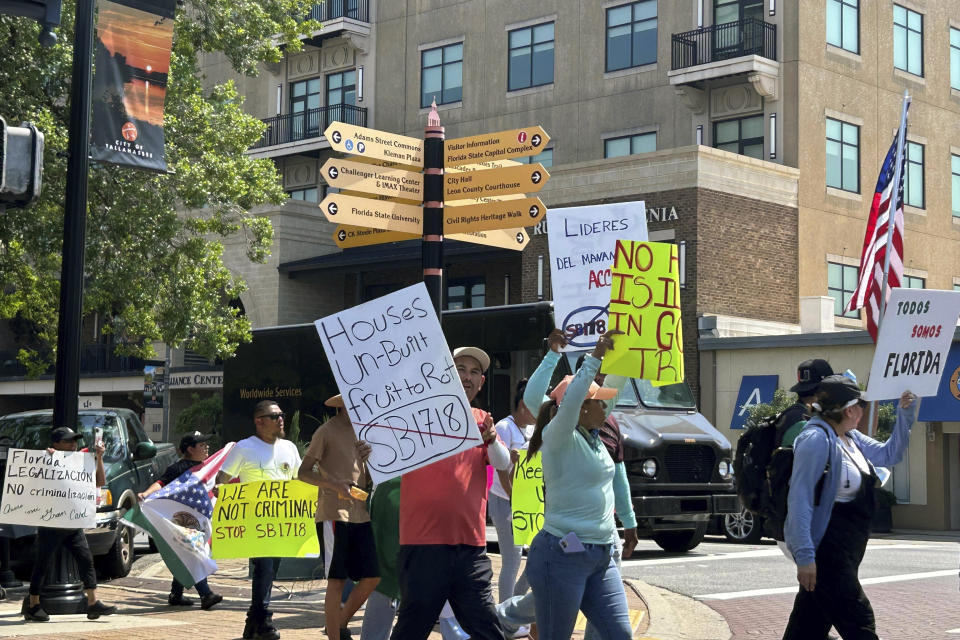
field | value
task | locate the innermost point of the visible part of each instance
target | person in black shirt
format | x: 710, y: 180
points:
x: 194, y: 449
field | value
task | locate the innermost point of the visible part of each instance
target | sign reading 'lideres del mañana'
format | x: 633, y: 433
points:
x: 43, y: 489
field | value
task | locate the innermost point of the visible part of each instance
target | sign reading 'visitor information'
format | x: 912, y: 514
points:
x: 398, y: 381
x: 503, y: 145
x: 56, y: 489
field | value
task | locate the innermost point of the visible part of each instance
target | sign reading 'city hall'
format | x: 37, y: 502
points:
x: 485, y: 188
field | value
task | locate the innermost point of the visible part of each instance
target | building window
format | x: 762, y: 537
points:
x: 955, y: 175
x: 341, y: 90
x: 465, y: 293
x: 843, y: 24
x: 530, y: 57
x: 955, y: 59
x: 743, y: 136
x: 913, y: 282
x: 311, y: 194
x: 629, y: 145
x: 545, y: 158
x: 843, y: 155
x: 907, y: 40
x: 631, y: 35
x: 305, y: 107
x: 441, y: 75
x: 841, y: 283
x: 913, y: 184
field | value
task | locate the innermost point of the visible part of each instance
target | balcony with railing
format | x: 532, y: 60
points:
x: 745, y: 47
x: 358, y: 10
x: 95, y: 360
x: 296, y: 132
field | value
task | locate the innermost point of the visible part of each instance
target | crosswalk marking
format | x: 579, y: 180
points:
x: 730, y: 595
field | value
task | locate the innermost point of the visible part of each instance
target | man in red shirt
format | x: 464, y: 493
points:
x: 443, y: 542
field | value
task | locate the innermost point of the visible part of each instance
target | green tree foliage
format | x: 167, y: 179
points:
x: 153, y: 271
x: 204, y: 415
x: 782, y: 399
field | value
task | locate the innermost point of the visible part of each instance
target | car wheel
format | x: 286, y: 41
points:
x: 680, y: 541
x: 743, y: 527
x: 117, y: 562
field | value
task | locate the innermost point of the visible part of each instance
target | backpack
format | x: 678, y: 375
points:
x: 762, y: 470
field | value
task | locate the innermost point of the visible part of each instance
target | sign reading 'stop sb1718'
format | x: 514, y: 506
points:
x: 503, y: 145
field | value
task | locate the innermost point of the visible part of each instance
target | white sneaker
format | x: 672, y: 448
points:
x: 522, y: 632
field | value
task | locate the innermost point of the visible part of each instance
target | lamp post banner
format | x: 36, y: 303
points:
x: 132, y: 60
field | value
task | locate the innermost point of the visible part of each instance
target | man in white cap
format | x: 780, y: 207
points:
x: 443, y: 539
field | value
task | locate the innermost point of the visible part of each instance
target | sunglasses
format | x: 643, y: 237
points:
x: 273, y: 416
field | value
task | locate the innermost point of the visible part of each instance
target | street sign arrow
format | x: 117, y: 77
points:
x: 515, y: 239
x: 524, y: 178
x: 480, y: 166
x: 377, y: 214
x: 503, y: 145
x: 507, y: 214
x: 371, y: 143
x: 370, y: 178
x: 347, y: 236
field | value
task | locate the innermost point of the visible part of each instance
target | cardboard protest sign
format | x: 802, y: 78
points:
x: 645, y: 305
x: 265, y: 519
x: 398, y: 382
x: 581, y: 243
x: 56, y: 489
x: 915, y: 336
x: 526, y: 499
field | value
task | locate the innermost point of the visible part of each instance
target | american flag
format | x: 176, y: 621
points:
x: 189, y: 491
x: 873, y: 257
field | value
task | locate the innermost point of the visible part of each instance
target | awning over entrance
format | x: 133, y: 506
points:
x: 393, y: 255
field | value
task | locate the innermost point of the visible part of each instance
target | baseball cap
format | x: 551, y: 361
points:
x: 193, y: 439
x: 473, y: 352
x: 837, y: 392
x: 809, y: 375
x: 596, y: 392
x: 64, y: 433
x: 334, y: 401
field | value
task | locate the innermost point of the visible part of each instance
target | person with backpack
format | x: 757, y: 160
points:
x: 827, y: 538
x: 809, y: 375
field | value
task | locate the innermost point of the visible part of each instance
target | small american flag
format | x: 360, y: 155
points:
x: 873, y: 257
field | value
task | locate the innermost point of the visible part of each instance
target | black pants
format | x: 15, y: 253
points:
x: 73, y: 540
x: 838, y: 599
x: 264, y: 571
x: 432, y: 574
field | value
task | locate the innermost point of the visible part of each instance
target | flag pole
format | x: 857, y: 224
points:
x: 891, y: 223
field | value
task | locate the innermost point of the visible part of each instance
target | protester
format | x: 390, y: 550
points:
x: 830, y: 504
x: 569, y: 566
x: 194, y: 449
x: 335, y: 462
x: 73, y: 540
x: 385, y: 520
x: 264, y: 456
x: 514, y: 431
x: 443, y: 528
x: 809, y: 375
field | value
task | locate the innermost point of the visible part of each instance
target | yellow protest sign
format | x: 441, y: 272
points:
x: 266, y: 518
x: 527, y: 498
x: 645, y: 305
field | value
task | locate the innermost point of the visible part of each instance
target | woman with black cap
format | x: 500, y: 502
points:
x: 829, y: 508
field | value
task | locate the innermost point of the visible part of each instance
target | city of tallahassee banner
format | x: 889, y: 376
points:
x: 133, y: 42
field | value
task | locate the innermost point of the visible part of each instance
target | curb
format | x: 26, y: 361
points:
x: 677, y: 617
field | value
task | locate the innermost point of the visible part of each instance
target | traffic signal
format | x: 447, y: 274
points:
x: 21, y: 163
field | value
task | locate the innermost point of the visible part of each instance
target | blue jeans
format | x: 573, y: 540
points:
x: 264, y: 570
x: 517, y: 612
x: 510, y: 554
x: 378, y: 617
x: 564, y: 583
x: 203, y: 589
x: 617, y: 554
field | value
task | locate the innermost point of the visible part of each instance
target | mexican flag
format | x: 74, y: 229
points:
x: 177, y: 517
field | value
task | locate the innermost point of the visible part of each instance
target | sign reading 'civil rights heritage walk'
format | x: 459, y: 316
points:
x: 495, y: 215
x: 379, y: 145
x: 398, y: 381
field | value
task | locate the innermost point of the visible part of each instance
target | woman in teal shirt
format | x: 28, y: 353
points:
x: 569, y: 565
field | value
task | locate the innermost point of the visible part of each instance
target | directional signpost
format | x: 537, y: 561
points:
x: 495, y: 215
x: 347, y: 237
x: 369, y: 178
x: 524, y: 178
x: 503, y: 145
x: 378, y: 214
x: 370, y: 143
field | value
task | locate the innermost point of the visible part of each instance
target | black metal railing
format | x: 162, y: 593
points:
x: 723, y: 42
x: 304, y: 125
x: 94, y: 359
x: 333, y: 9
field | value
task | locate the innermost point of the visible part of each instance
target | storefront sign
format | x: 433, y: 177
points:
x: 398, y: 381
x: 645, y: 306
x: 581, y: 242
x: 56, y: 489
x: 267, y: 518
x: 914, y: 339
x: 196, y: 380
x: 754, y: 390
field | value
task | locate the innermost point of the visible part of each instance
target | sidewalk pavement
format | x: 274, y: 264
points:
x: 144, y: 615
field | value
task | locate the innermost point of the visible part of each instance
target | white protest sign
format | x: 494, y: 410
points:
x: 56, y: 489
x: 582, y: 240
x: 398, y: 382
x: 914, y: 339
